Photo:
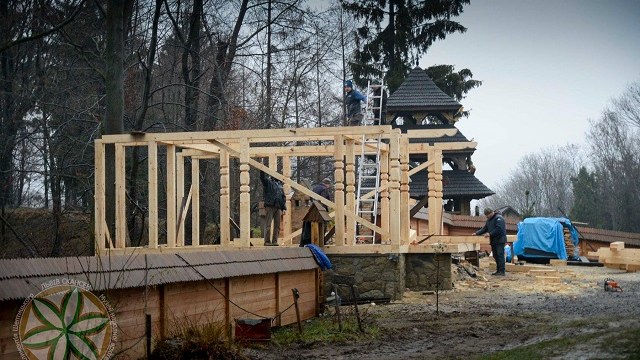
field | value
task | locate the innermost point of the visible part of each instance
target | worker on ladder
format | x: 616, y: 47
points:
x: 353, y: 100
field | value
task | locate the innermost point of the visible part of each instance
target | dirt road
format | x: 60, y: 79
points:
x: 487, y: 317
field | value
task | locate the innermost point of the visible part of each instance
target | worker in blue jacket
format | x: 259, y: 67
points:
x: 496, y: 230
x: 353, y: 99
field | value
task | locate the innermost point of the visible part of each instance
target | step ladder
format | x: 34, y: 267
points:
x: 368, y: 169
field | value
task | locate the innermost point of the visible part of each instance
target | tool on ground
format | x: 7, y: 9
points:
x: 611, y: 285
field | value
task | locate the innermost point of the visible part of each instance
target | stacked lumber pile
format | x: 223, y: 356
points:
x: 617, y: 257
x: 541, y: 273
x: 568, y: 244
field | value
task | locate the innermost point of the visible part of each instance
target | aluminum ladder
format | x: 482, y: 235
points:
x: 368, y: 171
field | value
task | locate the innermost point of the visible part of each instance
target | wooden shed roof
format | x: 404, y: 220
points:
x: 419, y: 93
x: 21, y: 277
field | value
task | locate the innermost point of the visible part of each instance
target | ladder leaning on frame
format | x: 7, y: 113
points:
x: 368, y: 172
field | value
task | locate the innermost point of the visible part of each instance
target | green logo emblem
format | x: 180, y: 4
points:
x: 64, y: 322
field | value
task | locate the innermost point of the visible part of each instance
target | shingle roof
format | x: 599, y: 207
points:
x: 21, y: 277
x: 419, y: 93
x: 455, y: 183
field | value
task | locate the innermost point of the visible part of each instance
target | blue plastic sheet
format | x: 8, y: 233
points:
x: 544, y: 238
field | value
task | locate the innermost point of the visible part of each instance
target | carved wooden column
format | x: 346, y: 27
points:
x: 384, y: 194
x: 394, y: 188
x: 351, y: 188
x: 338, y: 159
x: 225, y: 205
x: 245, y: 197
x: 435, y: 193
x: 405, y: 220
x: 286, y: 171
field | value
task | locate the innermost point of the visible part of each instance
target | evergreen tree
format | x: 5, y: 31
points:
x: 585, y: 203
x: 454, y: 84
x: 409, y: 30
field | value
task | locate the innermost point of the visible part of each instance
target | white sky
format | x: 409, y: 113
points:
x: 547, y: 66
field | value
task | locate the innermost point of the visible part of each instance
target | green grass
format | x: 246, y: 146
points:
x: 324, y: 330
x: 623, y: 343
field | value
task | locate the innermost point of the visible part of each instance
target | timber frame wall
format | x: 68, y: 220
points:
x: 344, y: 144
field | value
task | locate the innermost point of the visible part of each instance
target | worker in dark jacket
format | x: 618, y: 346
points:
x: 323, y: 189
x: 353, y: 99
x: 274, y: 205
x: 495, y: 229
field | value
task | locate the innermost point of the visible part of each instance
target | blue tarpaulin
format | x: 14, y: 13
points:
x: 544, y: 238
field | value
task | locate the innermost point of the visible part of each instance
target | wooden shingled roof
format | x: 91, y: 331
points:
x: 21, y: 277
x: 455, y: 183
x: 419, y: 93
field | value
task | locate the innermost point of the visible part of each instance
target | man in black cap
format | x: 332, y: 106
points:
x: 274, y: 205
x: 495, y: 229
x: 353, y: 99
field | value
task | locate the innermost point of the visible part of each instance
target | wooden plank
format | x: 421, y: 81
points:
x: 558, y: 262
x: 183, y: 217
x: 616, y: 245
x: 121, y: 200
x: 542, y: 272
x: 100, y: 213
x: 171, y: 196
x: 429, y: 133
x: 153, y: 193
x: 548, y: 279
x: 458, y: 239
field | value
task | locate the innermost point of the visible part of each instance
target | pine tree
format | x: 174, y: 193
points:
x: 454, y: 84
x: 410, y: 28
x: 585, y: 203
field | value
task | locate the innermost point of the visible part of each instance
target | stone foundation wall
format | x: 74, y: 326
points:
x: 387, y: 276
x: 377, y: 276
x: 422, y: 271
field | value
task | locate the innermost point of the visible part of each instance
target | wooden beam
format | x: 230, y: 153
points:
x: 416, y: 208
x: 171, y: 196
x: 121, y: 197
x: 394, y: 193
x: 264, y: 135
x: 384, y: 193
x: 100, y: 213
x: 184, y: 209
x: 405, y: 221
x: 435, y: 193
x: 338, y: 173
x: 195, y: 202
x: 429, y: 133
x: 421, y: 148
x: 350, y: 170
x: 180, y: 206
x: 153, y: 193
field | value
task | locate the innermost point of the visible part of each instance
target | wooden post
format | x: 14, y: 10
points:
x: 121, y: 197
x: 405, y: 219
x: 287, y: 222
x: 384, y: 194
x: 273, y: 165
x: 100, y: 211
x: 435, y: 192
x: 296, y: 296
x: 180, y: 196
x: 278, y: 319
x: 338, y: 159
x: 225, y: 205
x: 153, y: 194
x: 351, y: 195
x: 245, y: 197
x: 171, y: 196
x: 394, y: 189
x: 195, y: 202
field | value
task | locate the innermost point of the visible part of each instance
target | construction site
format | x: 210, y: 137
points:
x: 396, y: 230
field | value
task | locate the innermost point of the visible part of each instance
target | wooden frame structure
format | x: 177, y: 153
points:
x: 343, y: 144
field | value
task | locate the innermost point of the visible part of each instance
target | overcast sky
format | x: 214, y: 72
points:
x: 547, y: 67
